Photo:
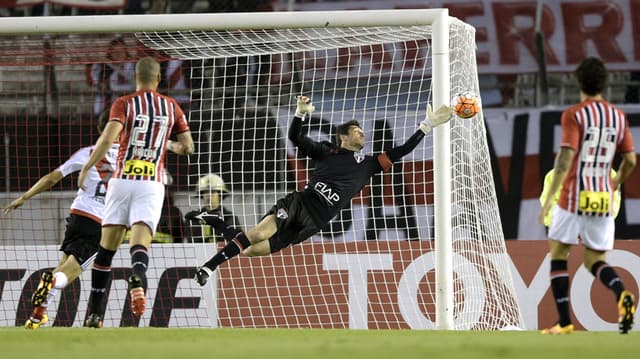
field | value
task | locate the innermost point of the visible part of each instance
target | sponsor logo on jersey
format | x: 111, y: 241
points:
x: 139, y: 168
x: 594, y: 202
x: 327, y: 192
x: 282, y: 213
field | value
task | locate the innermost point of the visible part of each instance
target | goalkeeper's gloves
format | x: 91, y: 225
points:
x: 304, y: 106
x: 433, y: 119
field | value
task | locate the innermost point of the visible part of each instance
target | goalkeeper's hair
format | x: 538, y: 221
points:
x: 103, y: 118
x: 343, y: 130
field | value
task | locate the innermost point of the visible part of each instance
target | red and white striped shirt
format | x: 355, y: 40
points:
x: 596, y: 130
x: 149, y: 118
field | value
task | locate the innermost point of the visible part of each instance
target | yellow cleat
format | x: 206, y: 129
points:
x: 558, y: 330
x: 626, y: 309
x: 34, y: 323
x: 47, y: 281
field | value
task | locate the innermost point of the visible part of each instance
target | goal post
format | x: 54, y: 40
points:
x: 421, y: 247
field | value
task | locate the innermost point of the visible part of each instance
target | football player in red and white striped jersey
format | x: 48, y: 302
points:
x: 143, y: 121
x: 593, y: 131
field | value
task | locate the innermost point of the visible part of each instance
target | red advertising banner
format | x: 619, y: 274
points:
x: 505, y: 30
x: 357, y: 285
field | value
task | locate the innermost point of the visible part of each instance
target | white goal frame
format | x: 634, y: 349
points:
x: 438, y: 19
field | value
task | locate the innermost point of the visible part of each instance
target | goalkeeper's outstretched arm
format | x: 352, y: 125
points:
x: 433, y: 119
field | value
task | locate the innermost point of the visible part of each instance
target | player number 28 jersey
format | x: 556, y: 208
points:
x: 596, y: 130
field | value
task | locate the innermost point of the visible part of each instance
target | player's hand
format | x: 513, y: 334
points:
x: 433, y: 119
x: 13, y: 205
x: 304, y: 106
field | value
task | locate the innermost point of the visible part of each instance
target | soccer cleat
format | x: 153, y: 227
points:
x: 37, y: 319
x: 47, y: 281
x: 558, y: 330
x: 626, y: 310
x: 93, y: 321
x: 136, y: 292
x: 202, y: 275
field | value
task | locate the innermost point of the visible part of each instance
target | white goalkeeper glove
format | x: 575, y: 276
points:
x: 304, y: 106
x: 433, y: 119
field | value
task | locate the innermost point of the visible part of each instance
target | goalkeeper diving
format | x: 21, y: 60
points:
x: 341, y: 171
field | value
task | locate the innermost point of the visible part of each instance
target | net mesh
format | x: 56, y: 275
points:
x: 372, y: 267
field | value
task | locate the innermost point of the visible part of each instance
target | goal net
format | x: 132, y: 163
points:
x: 374, y: 266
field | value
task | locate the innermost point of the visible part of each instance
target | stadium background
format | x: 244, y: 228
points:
x: 519, y: 126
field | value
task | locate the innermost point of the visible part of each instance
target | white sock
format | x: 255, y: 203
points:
x: 61, y: 280
x: 52, y: 293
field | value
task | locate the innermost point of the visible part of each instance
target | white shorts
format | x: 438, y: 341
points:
x: 129, y: 202
x: 597, y: 233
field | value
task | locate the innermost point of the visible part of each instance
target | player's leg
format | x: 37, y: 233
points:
x: 256, y: 236
x: 82, y: 239
x: 598, y: 238
x: 563, y: 232
x: 114, y: 224
x: 79, y: 246
x: 144, y: 215
x: 216, y: 221
x: 112, y: 236
x: 141, y: 236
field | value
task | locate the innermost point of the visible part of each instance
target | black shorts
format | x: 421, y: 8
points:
x: 293, y: 220
x: 81, y: 238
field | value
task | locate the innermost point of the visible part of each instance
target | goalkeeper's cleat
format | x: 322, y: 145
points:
x: 211, y: 219
x: 37, y: 319
x: 202, y: 275
x: 93, y: 321
x: 558, y: 330
x: 47, y: 281
x: 136, y: 292
x: 626, y: 309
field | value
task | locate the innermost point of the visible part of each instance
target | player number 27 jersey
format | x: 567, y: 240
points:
x: 148, y: 119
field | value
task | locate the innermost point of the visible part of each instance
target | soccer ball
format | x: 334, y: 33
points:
x: 466, y: 105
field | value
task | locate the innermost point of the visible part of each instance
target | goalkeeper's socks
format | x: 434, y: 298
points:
x: 100, y: 276
x: 219, y: 225
x: 139, y: 262
x: 608, y: 277
x: 560, y: 288
x: 232, y: 249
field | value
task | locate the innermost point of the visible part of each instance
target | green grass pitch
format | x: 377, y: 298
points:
x: 142, y: 343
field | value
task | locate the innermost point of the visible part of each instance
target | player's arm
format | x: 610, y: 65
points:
x: 184, y: 145
x: 560, y: 169
x: 106, y: 139
x: 627, y: 165
x: 433, y: 119
x: 43, y: 184
x: 308, y: 146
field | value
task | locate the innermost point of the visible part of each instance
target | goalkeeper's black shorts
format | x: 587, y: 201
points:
x: 81, y: 238
x: 294, y: 222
